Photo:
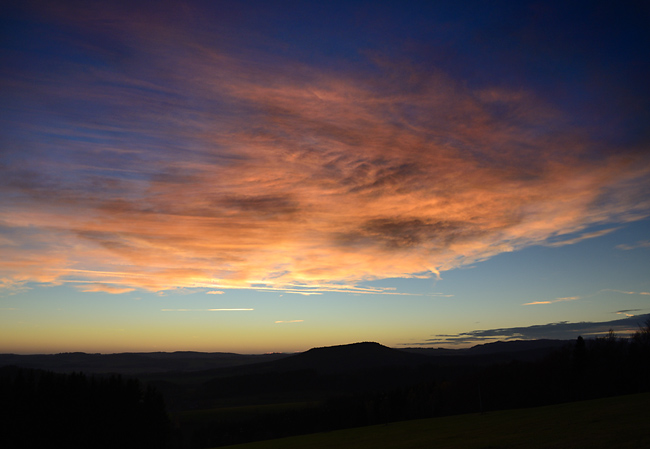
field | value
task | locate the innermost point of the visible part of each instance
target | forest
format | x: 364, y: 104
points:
x: 41, y: 409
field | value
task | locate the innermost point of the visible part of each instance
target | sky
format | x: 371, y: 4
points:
x: 263, y: 176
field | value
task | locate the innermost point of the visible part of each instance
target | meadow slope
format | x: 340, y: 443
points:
x: 620, y: 422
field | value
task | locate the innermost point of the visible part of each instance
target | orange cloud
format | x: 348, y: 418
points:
x: 281, y: 176
x: 104, y: 288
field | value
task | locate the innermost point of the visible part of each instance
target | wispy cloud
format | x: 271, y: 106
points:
x: 585, y: 236
x: 575, y: 298
x: 206, y: 310
x: 568, y: 298
x: 242, y: 171
x: 628, y: 311
x: 304, y: 293
x: 639, y: 244
x: 289, y: 321
x: 623, y: 292
x: 214, y: 292
x: 104, y: 288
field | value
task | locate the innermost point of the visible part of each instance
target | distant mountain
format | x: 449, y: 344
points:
x: 309, y: 376
x: 349, y: 369
x: 350, y: 357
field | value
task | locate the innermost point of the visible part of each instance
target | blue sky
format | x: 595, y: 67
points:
x: 273, y: 176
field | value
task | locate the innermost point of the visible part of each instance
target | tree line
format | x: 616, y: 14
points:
x: 41, y: 409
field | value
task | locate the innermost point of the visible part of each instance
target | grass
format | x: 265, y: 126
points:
x: 618, y: 422
x: 239, y: 413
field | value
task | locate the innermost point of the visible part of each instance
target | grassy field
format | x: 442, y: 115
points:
x: 200, y: 417
x: 618, y: 422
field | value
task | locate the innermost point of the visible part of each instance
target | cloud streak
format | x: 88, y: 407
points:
x: 243, y: 172
x: 626, y: 292
x: 639, y: 244
x: 568, y: 298
x: 585, y: 236
x: 104, y: 288
x: 206, y: 310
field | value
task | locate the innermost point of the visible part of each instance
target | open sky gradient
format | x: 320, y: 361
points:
x: 273, y: 176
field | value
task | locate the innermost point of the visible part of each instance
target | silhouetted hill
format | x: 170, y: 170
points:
x: 311, y: 375
x: 350, y: 357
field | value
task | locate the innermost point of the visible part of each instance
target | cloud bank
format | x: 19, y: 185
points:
x: 162, y: 162
x: 562, y: 330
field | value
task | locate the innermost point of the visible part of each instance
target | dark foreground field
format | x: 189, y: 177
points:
x: 615, y: 422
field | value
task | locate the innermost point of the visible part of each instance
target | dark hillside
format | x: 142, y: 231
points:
x: 322, y: 372
x: 374, y: 390
x: 490, y: 353
x: 325, y: 360
x: 351, y: 357
x: 314, y: 375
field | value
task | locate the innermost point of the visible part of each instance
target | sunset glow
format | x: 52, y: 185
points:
x: 216, y: 157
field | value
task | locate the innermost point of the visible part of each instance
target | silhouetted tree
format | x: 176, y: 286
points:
x: 43, y: 409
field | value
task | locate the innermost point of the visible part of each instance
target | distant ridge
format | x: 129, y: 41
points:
x: 326, y: 359
x: 349, y: 357
x: 135, y: 363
